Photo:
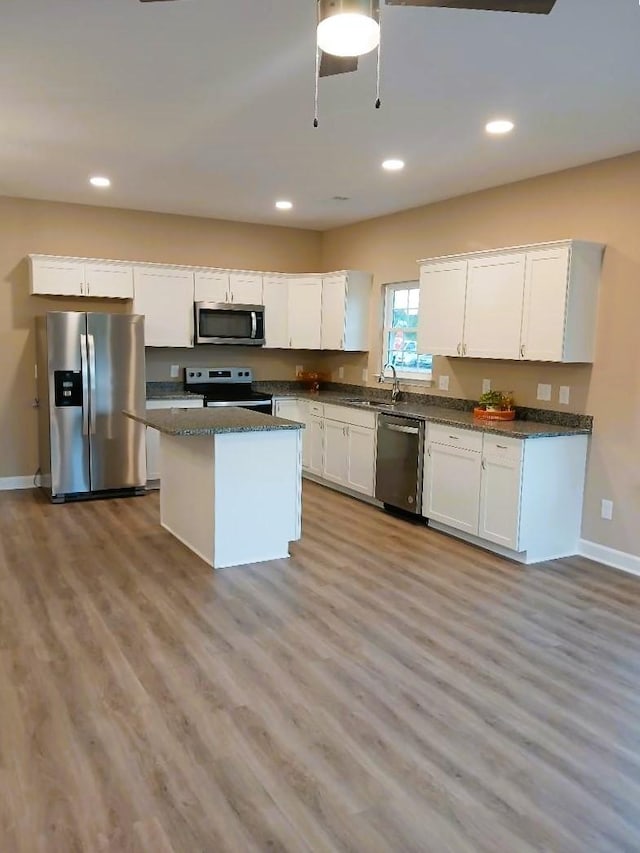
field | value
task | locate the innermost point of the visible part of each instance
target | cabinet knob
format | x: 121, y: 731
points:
x: 522, y: 351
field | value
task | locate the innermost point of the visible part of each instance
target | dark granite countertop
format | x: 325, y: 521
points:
x: 210, y: 421
x: 519, y: 428
x: 174, y: 395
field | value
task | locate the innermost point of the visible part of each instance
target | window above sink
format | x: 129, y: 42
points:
x: 400, y: 332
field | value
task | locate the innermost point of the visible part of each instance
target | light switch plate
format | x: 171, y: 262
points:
x: 544, y: 392
x: 563, y: 396
x: 606, y: 510
x: 341, y: 373
x: 443, y: 383
x: 175, y: 371
x: 486, y: 385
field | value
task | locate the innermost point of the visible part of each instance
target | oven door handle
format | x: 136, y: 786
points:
x: 246, y: 404
x: 405, y: 429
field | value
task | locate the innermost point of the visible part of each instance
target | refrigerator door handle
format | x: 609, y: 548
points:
x: 84, y: 362
x: 92, y: 380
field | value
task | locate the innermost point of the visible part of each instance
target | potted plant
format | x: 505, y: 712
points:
x: 495, y: 405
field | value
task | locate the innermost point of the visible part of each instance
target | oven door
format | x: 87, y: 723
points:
x: 222, y: 323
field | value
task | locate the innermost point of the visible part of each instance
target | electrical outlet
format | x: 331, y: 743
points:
x: 341, y: 373
x: 544, y: 392
x: 175, y: 371
x: 443, y: 383
x: 365, y: 374
x: 299, y: 369
x: 563, y: 396
x: 606, y: 510
x: 486, y: 385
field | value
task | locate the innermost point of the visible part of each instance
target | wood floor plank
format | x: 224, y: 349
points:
x: 387, y: 688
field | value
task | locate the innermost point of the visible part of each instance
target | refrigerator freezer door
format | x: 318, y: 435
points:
x: 117, y: 381
x: 68, y: 415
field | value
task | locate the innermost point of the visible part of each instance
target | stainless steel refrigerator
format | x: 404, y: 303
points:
x: 90, y: 367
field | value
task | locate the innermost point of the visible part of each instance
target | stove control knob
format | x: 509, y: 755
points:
x: 198, y: 373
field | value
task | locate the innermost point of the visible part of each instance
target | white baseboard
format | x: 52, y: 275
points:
x: 9, y: 483
x: 610, y: 557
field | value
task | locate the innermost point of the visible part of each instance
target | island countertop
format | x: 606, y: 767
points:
x: 210, y: 421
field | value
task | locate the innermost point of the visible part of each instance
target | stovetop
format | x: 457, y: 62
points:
x: 222, y: 383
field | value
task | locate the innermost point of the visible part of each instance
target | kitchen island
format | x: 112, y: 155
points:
x: 231, y: 482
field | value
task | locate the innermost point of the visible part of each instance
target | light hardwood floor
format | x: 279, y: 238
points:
x: 385, y: 689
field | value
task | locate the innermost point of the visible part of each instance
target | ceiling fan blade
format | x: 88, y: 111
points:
x: 535, y: 7
x: 330, y: 65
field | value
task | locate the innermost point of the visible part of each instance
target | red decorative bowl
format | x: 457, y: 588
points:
x: 494, y: 415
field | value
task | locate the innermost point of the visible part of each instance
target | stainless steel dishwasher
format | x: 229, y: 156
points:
x: 399, y: 462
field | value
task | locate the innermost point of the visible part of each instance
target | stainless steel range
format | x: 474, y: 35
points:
x: 226, y: 386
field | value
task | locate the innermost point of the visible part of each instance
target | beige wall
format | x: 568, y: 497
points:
x: 64, y: 229
x: 599, y: 202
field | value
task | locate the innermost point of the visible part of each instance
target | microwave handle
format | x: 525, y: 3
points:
x: 254, y: 325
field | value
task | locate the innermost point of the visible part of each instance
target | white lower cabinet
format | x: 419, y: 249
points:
x: 452, y: 486
x: 153, y: 436
x: 522, y: 498
x: 499, y: 520
x: 362, y: 459
x: 313, y: 448
x: 336, y: 452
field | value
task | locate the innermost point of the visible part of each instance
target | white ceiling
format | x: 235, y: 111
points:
x: 205, y: 107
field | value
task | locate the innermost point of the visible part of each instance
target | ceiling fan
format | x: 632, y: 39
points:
x: 348, y: 29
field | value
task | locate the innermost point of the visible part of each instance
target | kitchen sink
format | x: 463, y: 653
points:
x: 367, y: 403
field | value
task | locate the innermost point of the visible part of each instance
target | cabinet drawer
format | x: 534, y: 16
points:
x: 179, y: 403
x: 346, y: 415
x: 465, y: 439
x: 505, y: 448
x: 316, y: 409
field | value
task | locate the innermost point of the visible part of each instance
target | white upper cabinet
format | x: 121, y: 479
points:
x: 346, y: 299
x: 305, y: 312
x: 334, y: 311
x: 493, y: 313
x: 535, y: 303
x: 275, y: 298
x: 56, y: 276
x: 246, y: 288
x: 443, y: 288
x: 561, y: 302
x: 165, y: 296
x: 211, y: 286
x: 228, y: 286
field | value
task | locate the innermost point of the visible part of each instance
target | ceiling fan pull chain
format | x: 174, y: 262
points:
x: 315, y: 114
x: 378, y: 101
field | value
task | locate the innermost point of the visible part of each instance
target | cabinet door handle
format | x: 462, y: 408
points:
x: 464, y: 349
x: 522, y: 351
x: 81, y: 289
x: 502, y: 446
x: 429, y: 450
x: 88, y: 288
x: 455, y: 437
x: 484, y: 464
x: 459, y: 347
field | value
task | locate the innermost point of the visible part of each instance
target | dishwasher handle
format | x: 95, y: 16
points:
x: 405, y: 429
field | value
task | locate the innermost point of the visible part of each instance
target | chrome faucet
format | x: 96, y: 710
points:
x: 395, y: 391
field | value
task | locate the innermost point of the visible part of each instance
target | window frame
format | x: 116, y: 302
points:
x: 407, y: 374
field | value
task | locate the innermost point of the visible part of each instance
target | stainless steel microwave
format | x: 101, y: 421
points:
x: 224, y: 323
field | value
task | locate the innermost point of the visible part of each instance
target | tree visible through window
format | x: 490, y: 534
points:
x: 400, y: 335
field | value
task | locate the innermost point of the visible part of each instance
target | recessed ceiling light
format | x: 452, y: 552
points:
x: 284, y: 205
x: 98, y: 181
x: 393, y: 165
x: 501, y: 125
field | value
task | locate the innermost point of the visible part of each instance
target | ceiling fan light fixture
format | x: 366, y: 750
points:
x: 348, y: 27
